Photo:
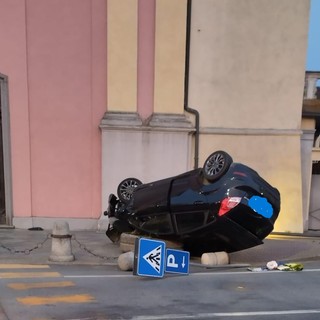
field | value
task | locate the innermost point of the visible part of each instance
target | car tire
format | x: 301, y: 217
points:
x: 126, y: 188
x: 216, y: 165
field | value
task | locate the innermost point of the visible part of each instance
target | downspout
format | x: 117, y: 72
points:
x: 186, y: 88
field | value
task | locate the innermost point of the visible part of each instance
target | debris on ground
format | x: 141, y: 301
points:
x: 274, y: 265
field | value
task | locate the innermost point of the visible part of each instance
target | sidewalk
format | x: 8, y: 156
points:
x: 285, y: 248
x: 34, y: 247
x: 93, y: 247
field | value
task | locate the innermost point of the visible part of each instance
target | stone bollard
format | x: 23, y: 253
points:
x: 125, y: 261
x: 61, y: 250
x: 215, y: 258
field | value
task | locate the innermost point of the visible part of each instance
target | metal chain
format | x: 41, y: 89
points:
x: 83, y: 247
x: 27, y: 251
x: 40, y: 245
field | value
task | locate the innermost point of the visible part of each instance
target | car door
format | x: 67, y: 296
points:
x: 188, y: 204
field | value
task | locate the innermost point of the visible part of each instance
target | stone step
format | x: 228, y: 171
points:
x: 127, y: 241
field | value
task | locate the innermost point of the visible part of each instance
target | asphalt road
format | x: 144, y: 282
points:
x: 43, y: 292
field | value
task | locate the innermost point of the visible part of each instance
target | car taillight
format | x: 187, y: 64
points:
x: 227, y: 204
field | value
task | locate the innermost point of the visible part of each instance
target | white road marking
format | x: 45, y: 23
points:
x: 252, y: 272
x: 225, y: 314
x: 193, y: 274
x: 100, y: 276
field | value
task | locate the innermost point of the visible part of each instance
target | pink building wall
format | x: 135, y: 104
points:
x: 13, y: 64
x: 54, y: 54
x: 146, y: 52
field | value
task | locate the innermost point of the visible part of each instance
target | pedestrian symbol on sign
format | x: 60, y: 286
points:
x: 154, y: 258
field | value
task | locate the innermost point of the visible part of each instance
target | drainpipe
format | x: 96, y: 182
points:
x: 186, y: 88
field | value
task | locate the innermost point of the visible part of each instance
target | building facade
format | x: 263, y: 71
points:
x: 95, y: 91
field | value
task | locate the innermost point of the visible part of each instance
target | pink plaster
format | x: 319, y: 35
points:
x: 13, y: 65
x: 146, y: 50
x: 99, y: 96
x: 57, y: 84
x: 65, y: 111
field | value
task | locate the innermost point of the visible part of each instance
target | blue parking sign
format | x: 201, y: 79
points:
x: 177, y: 261
x: 149, y: 258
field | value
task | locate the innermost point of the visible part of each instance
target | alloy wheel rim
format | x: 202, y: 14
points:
x: 127, y: 188
x: 215, y: 164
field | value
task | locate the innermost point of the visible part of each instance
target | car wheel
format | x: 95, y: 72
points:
x: 126, y: 188
x: 216, y: 165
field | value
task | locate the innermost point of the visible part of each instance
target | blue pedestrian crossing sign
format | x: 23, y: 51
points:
x: 177, y: 261
x: 149, y: 258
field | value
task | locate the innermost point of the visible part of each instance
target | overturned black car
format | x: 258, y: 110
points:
x: 222, y: 206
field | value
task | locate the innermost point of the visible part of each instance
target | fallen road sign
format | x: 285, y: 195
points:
x: 149, y: 258
x: 152, y: 259
x: 177, y: 261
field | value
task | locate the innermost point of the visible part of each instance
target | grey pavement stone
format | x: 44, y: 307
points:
x: 34, y: 247
x: 280, y: 248
x: 93, y: 247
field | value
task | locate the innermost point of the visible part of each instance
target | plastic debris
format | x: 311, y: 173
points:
x: 257, y: 269
x: 294, y: 266
x: 274, y: 265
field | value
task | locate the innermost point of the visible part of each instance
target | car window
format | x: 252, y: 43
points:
x: 187, y: 222
x: 158, y: 224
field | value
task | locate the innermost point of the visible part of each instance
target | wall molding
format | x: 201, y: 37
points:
x: 47, y: 223
x: 157, y: 122
x: 251, y: 132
